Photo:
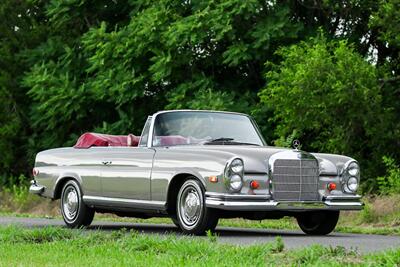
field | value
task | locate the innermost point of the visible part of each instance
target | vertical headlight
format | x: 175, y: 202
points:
x: 353, y: 169
x: 350, y: 177
x: 352, y: 184
x: 236, y: 182
x: 237, y: 166
x: 233, y: 177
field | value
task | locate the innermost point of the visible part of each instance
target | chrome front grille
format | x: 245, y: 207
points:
x: 295, y: 180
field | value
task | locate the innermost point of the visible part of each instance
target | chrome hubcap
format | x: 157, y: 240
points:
x: 190, y: 206
x: 70, y: 203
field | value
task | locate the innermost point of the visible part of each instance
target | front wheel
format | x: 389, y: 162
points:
x: 75, y: 213
x: 192, y: 214
x: 318, y: 222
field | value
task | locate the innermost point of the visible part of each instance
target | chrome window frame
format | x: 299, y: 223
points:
x: 144, y: 128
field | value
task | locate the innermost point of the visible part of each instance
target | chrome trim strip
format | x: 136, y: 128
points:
x: 239, y: 205
x: 263, y: 203
x: 330, y: 203
x: 343, y: 197
x: 134, y: 203
x: 151, y: 131
x: 237, y: 197
x: 202, y: 110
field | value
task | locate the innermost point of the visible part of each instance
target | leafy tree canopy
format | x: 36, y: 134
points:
x: 327, y: 94
x: 67, y: 67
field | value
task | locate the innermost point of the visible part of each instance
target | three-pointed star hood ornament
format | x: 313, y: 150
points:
x: 296, y: 144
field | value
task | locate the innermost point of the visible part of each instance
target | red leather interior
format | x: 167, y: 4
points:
x: 133, y: 140
x: 172, y: 140
x: 87, y: 140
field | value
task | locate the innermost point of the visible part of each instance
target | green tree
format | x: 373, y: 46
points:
x: 385, y: 22
x: 167, y: 55
x: 19, y: 31
x: 67, y: 67
x: 327, y: 94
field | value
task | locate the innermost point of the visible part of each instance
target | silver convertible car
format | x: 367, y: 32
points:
x: 196, y: 167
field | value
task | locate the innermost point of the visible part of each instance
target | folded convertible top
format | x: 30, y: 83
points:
x: 87, y: 140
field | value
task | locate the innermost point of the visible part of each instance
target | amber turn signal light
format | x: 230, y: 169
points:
x: 213, y: 179
x: 254, y: 184
x: 331, y: 186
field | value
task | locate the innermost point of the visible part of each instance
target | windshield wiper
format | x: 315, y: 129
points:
x: 228, y: 140
x: 221, y: 139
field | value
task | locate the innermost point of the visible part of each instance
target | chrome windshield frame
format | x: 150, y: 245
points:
x: 149, y: 118
x: 155, y: 115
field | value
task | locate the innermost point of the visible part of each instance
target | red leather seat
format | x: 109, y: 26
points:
x: 133, y: 140
x: 87, y: 140
x: 172, y: 140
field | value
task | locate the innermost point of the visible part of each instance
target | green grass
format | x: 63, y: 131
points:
x: 62, y: 247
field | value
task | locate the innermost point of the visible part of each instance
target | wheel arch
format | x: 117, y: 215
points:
x: 174, y: 186
x: 61, y: 181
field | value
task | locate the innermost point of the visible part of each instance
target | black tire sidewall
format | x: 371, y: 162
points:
x: 84, y: 214
x: 196, y: 185
x: 208, y: 217
x: 326, y: 224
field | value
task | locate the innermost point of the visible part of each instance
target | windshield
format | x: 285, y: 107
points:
x: 204, y: 128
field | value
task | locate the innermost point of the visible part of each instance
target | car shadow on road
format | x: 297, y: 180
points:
x: 220, y: 231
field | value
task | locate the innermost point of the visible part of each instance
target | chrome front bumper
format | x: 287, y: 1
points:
x: 36, y: 189
x: 265, y: 203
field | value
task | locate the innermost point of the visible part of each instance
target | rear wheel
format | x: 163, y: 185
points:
x: 192, y: 214
x: 318, y: 222
x: 75, y: 213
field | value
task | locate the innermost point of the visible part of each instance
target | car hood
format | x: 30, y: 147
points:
x: 256, y: 158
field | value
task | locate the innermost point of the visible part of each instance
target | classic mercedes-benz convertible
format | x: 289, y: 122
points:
x: 197, y: 167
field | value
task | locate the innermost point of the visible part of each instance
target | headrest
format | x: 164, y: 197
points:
x: 132, y: 140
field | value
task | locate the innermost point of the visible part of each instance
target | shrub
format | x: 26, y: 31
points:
x: 368, y: 215
x: 390, y: 183
x: 18, y: 189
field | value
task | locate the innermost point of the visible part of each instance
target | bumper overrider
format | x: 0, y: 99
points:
x: 36, y: 189
x: 264, y: 203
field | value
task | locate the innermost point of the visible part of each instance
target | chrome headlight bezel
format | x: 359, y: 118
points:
x: 353, y: 168
x: 237, y: 166
x: 350, y: 177
x: 352, y: 184
x: 236, y: 182
x: 233, y: 174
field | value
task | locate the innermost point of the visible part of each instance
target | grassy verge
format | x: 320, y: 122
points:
x: 18, y: 200
x: 61, y: 247
x: 381, y: 214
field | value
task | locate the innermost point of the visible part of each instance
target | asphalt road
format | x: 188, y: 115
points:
x: 240, y: 236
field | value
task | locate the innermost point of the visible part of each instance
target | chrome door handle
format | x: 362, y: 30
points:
x: 106, y: 162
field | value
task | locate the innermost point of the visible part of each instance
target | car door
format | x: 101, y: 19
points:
x: 127, y: 172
